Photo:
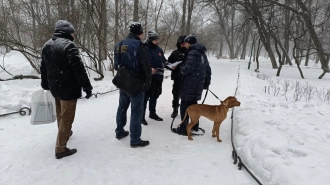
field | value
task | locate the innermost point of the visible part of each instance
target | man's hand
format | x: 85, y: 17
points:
x: 88, y: 94
x: 153, y: 70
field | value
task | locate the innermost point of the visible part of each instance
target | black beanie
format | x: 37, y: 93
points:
x: 136, y: 28
x: 64, y: 26
x: 191, y: 39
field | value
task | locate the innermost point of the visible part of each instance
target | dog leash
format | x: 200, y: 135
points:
x: 214, y: 95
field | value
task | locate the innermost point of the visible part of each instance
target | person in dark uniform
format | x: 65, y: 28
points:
x: 177, y: 55
x: 157, y: 61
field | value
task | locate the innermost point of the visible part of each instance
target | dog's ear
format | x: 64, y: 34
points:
x: 231, y: 101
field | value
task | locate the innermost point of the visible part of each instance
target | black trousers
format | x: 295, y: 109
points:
x: 155, y: 90
x: 176, y: 93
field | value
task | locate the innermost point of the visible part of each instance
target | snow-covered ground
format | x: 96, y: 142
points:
x: 281, y: 141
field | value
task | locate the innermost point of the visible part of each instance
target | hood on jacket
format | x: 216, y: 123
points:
x: 198, y: 46
x: 180, y: 40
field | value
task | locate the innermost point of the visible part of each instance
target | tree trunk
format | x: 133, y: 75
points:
x: 297, y: 59
x: 286, y: 33
x: 279, y: 60
x: 50, y: 24
x: 260, y: 24
x: 245, y: 41
x: 116, y: 39
x: 104, y: 24
x: 257, y: 56
x: 88, y: 26
x: 183, y: 20
x: 190, y: 9
x: 221, y: 47
x: 146, y: 17
x: 136, y: 11
x: 308, y: 52
x: 34, y: 32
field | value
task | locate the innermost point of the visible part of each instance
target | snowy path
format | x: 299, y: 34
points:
x: 27, y: 152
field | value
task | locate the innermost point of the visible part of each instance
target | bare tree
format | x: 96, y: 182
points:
x: 303, y: 11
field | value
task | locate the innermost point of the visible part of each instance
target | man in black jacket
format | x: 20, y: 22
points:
x: 177, y: 55
x: 63, y: 73
x: 196, y: 73
x: 132, y: 54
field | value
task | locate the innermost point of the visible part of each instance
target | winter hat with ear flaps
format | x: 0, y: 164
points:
x: 152, y: 35
x: 64, y: 26
x: 191, y: 39
x: 136, y: 28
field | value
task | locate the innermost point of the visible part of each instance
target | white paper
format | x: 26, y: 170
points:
x: 174, y: 64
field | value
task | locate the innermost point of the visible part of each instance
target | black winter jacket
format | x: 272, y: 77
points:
x: 177, y: 55
x: 62, y: 71
x: 196, y: 72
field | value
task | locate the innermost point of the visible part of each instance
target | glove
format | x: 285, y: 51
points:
x: 206, y: 84
x: 45, y: 87
x: 88, y: 94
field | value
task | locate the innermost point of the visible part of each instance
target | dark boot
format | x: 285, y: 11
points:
x: 195, y: 127
x: 144, y: 122
x: 155, y: 117
x: 66, y: 153
x: 119, y: 137
x: 180, y: 131
x: 140, y: 144
x: 175, y: 112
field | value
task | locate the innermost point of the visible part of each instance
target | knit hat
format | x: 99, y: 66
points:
x: 152, y: 35
x: 64, y: 26
x: 191, y: 39
x: 136, y: 28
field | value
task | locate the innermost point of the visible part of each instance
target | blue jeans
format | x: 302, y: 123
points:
x: 136, y: 114
x: 183, y: 107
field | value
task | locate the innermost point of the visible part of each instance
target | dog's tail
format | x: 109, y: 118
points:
x: 185, y: 116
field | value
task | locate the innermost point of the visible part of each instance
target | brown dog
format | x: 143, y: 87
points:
x: 216, y: 113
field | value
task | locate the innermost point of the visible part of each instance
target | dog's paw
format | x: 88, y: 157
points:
x: 219, y: 140
x: 190, y: 138
x: 214, y: 135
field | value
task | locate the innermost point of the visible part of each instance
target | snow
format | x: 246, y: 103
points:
x: 281, y: 141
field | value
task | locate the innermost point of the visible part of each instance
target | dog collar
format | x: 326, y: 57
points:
x: 224, y: 105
